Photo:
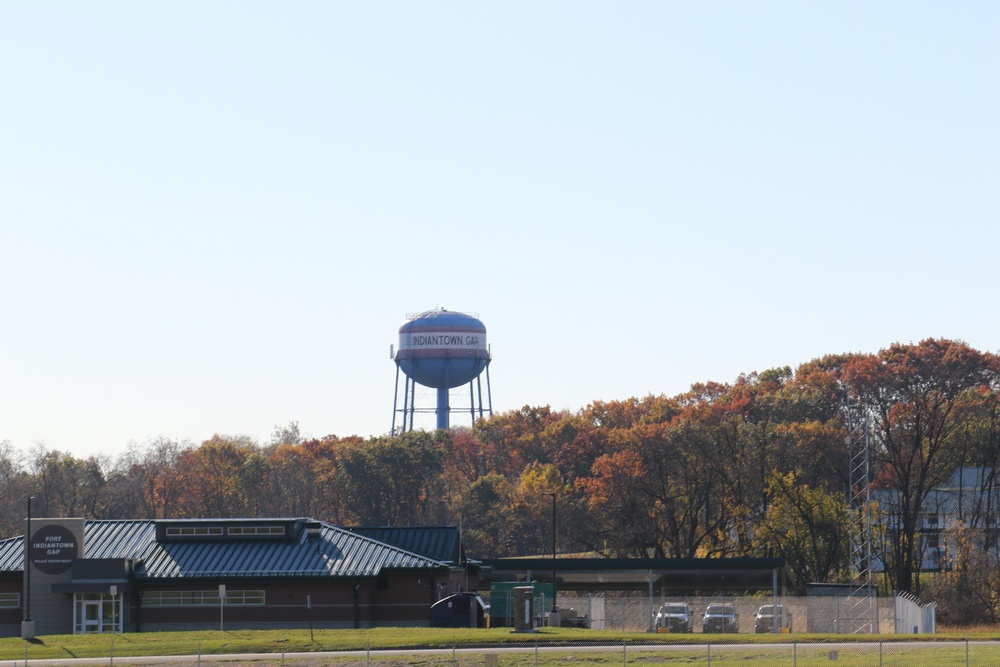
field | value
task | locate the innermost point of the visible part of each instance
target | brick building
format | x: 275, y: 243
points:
x: 154, y: 575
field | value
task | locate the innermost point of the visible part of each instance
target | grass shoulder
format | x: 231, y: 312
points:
x: 303, y: 641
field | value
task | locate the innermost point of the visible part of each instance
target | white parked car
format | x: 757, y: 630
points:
x: 675, y: 617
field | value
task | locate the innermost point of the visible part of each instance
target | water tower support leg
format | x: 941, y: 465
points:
x: 442, y: 407
x: 395, y: 400
x: 406, y: 399
x: 413, y: 399
x: 489, y: 392
x: 479, y: 387
x: 472, y: 402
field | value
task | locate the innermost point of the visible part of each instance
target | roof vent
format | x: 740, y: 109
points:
x: 312, y: 530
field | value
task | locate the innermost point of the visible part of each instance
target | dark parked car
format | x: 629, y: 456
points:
x: 675, y: 617
x: 721, y: 618
x: 772, y: 618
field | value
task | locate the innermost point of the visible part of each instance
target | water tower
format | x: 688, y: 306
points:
x: 443, y: 350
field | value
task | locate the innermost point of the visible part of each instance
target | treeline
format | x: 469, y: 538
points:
x: 759, y: 467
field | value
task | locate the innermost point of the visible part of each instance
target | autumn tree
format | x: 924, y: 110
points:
x: 686, y: 488
x: 153, y: 478
x: 67, y: 485
x: 15, y: 487
x: 619, y: 507
x: 512, y: 440
x: 743, y: 457
x: 912, y: 393
x: 303, y: 478
x: 969, y: 590
x: 539, y: 489
x: 223, y: 477
x: 582, y: 442
x: 978, y: 438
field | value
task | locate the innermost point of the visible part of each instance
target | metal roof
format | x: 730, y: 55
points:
x: 333, y: 552
x: 441, y: 543
x: 12, y: 556
x: 582, y: 574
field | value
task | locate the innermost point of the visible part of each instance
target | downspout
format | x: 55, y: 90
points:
x: 431, y: 594
x: 357, y: 607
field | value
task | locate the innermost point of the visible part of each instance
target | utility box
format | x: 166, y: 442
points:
x: 460, y: 610
x: 502, y: 601
x: 524, y: 609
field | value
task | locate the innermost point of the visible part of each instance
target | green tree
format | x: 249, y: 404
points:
x: 390, y: 480
x: 808, y: 527
x: 490, y: 528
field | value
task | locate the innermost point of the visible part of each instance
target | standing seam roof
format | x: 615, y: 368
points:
x: 335, y: 552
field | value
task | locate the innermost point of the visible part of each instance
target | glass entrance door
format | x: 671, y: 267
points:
x: 92, y: 616
x: 97, y: 613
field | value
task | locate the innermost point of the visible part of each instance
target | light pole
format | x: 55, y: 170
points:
x: 461, y: 550
x: 27, y: 626
x: 27, y: 566
x: 552, y: 493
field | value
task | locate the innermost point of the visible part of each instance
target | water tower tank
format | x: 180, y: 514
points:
x: 441, y: 349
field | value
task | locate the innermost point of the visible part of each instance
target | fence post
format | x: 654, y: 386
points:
x: 536, y: 652
x: 966, y: 652
x: 709, y: 649
x: 624, y: 652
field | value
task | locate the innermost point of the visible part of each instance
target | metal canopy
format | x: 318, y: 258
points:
x: 624, y: 574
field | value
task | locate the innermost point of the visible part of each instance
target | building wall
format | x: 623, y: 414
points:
x: 11, y: 617
x: 405, y: 601
x: 48, y: 565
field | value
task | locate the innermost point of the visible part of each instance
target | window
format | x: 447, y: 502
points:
x: 209, y: 598
x: 257, y: 530
x: 10, y: 600
x: 190, y: 531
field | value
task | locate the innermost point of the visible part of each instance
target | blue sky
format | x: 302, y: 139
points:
x: 215, y: 216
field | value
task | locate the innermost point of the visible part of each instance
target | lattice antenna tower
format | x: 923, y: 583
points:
x: 862, y: 603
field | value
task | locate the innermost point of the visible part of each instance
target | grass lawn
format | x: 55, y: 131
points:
x: 295, y: 641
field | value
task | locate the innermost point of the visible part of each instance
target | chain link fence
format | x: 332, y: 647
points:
x: 635, y: 612
x: 628, y: 653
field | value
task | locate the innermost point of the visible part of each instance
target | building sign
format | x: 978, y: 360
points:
x: 53, y: 549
